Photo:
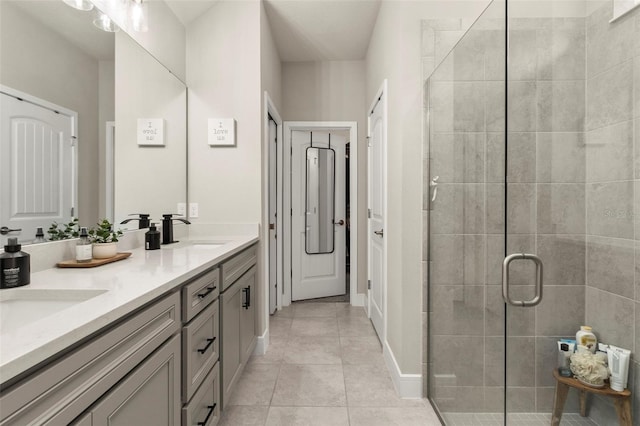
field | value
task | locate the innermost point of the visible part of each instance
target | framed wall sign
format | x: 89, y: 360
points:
x: 150, y: 131
x: 222, y: 132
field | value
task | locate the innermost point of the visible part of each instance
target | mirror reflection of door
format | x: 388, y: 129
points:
x: 320, y: 196
x: 37, y: 165
x: 318, y: 246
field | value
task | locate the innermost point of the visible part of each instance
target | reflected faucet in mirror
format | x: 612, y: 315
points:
x: 143, y: 220
x: 167, y: 227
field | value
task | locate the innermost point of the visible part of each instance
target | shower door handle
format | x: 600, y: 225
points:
x: 505, y: 280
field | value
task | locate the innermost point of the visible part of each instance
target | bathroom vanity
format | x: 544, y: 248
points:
x: 162, y: 340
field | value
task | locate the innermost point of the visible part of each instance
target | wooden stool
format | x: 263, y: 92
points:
x: 622, y: 400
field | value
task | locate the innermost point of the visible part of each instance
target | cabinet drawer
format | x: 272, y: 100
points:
x: 204, y: 408
x: 199, y: 293
x: 200, y: 349
x: 60, y: 392
x: 233, y: 268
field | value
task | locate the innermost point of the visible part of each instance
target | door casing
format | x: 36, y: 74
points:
x: 352, y: 127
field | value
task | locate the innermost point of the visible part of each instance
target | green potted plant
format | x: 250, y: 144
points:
x: 70, y: 230
x: 104, y: 240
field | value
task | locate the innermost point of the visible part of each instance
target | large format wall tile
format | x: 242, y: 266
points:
x: 458, y: 157
x: 563, y: 257
x: 611, y: 316
x: 521, y: 157
x: 522, y: 106
x: 560, y: 157
x: 521, y: 211
x: 610, y: 153
x: 636, y: 84
x: 560, y: 106
x: 458, y: 209
x: 556, y: 215
x: 523, y: 65
x: 561, y: 50
x: 453, y: 358
x: 611, y: 265
x: 457, y: 259
x: 610, y: 96
x: 520, y: 322
x: 458, y: 310
x: 469, y: 57
x: 610, y: 209
x: 561, y: 311
x: 520, y: 361
x: 608, y: 44
x: 457, y: 106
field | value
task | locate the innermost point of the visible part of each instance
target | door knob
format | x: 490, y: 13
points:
x: 4, y: 230
x: 340, y: 222
x: 379, y: 233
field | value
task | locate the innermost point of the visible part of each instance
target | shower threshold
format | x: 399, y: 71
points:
x: 513, y: 419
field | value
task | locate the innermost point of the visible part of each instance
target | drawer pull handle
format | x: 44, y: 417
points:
x: 206, y: 419
x: 210, y: 342
x: 206, y: 293
x: 247, y: 297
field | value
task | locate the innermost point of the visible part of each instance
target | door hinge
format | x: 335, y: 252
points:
x: 369, y: 213
x: 291, y: 213
x: 368, y: 284
x: 73, y: 140
x: 369, y: 141
x: 72, y: 211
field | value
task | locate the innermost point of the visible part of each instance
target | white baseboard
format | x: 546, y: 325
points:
x: 407, y: 385
x: 262, y: 343
x: 358, y: 300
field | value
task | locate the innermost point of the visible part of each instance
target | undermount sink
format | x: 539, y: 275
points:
x: 24, y: 306
x: 196, y: 244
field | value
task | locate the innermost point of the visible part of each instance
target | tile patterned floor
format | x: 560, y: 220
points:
x: 324, y: 366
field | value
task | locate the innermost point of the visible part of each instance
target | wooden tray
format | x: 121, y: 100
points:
x: 93, y: 262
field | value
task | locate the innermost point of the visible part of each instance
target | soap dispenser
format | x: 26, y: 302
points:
x: 152, y: 238
x: 15, y: 266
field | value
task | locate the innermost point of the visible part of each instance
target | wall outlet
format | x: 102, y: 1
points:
x: 193, y: 210
x: 182, y: 209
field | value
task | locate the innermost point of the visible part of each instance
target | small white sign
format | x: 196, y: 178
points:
x: 151, y: 131
x: 222, y: 132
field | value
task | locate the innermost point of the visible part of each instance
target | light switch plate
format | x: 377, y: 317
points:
x: 193, y: 210
x: 182, y: 209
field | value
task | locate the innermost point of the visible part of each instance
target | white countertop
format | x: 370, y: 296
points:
x: 128, y: 285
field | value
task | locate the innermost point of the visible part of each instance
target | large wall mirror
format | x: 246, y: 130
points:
x: 72, y: 98
x: 320, y: 200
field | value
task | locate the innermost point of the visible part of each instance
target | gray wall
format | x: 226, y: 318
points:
x: 612, y: 189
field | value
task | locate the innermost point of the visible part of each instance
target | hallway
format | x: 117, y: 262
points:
x: 324, y: 366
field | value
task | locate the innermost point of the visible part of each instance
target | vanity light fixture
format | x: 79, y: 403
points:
x: 139, y: 12
x: 105, y: 23
x: 84, y: 5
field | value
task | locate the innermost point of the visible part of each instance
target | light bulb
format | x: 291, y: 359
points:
x: 84, y: 5
x: 139, y: 14
x: 105, y: 23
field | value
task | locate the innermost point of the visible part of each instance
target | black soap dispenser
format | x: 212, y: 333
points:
x: 15, y: 266
x: 152, y: 238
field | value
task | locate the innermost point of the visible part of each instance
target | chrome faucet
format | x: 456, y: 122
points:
x: 167, y: 227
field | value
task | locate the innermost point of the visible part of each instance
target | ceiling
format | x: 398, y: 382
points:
x: 74, y: 25
x: 322, y: 30
x: 307, y: 30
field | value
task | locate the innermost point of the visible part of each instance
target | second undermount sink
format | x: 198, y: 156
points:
x: 24, y: 306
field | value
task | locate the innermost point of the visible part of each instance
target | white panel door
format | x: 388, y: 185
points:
x: 37, y: 167
x: 317, y: 275
x: 376, y: 243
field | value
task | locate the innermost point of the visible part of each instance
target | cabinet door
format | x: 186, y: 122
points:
x: 150, y: 395
x: 230, y: 306
x: 247, y: 315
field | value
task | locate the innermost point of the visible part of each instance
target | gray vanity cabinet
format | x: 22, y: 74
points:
x: 237, y: 317
x: 63, y: 390
x: 150, y: 395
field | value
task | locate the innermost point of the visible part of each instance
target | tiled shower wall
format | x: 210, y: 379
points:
x: 571, y: 192
x: 613, y: 190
